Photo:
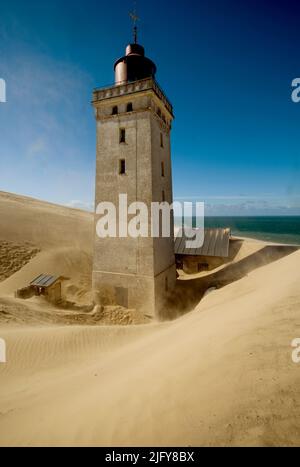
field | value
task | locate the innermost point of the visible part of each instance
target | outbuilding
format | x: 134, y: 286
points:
x: 212, y: 254
x: 45, y: 285
x: 48, y: 286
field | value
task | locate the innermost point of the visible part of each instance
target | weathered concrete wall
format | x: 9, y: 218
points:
x: 53, y: 293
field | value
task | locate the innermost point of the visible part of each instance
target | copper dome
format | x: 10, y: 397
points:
x: 134, y: 65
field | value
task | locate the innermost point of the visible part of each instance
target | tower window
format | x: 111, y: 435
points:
x: 163, y: 196
x: 122, y: 135
x: 166, y: 284
x: 122, y: 167
x: 129, y: 107
x: 115, y: 110
x: 162, y: 169
x: 161, y: 140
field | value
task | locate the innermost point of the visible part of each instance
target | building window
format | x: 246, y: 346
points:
x: 129, y: 107
x: 162, y: 169
x: 166, y: 284
x: 122, y: 135
x: 115, y: 110
x: 161, y: 140
x: 163, y: 196
x: 158, y: 112
x: 203, y: 267
x: 122, y: 167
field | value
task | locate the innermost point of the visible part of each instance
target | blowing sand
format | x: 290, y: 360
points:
x: 219, y: 375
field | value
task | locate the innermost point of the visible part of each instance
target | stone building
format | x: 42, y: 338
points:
x: 133, y: 119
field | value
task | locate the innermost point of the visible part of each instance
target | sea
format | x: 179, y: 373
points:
x: 275, y: 229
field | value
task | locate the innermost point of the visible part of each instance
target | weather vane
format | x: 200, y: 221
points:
x: 135, y: 19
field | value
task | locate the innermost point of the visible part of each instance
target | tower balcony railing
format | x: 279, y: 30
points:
x: 120, y: 89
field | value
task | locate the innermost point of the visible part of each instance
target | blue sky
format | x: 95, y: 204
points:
x: 227, y: 67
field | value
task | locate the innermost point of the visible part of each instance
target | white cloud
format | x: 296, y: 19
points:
x: 244, y: 205
x: 77, y: 204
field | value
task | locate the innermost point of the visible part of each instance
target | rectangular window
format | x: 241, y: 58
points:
x: 203, y: 267
x: 122, y: 135
x: 162, y: 169
x: 161, y: 140
x: 122, y: 167
x: 163, y: 196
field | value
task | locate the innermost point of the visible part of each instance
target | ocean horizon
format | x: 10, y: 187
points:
x: 277, y: 229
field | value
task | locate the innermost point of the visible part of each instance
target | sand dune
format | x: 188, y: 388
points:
x: 13, y: 257
x: 219, y: 375
x: 68, y: 262
x: 53, y: 239
x: 44, y: 224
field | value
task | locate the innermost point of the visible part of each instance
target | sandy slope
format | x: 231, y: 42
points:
x: 220, y: 375
x: 44, y: 224
x: 55, y: 239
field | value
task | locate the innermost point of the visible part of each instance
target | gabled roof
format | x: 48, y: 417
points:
x: 216, y: 243
x: 44, y: 280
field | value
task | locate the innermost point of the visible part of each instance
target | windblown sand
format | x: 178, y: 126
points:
x: 219, y: 375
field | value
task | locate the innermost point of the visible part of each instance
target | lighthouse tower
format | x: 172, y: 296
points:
x: 134, y: 119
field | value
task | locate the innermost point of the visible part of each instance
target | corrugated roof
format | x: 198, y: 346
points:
x: 44, y: 280
x: 216, y: 243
